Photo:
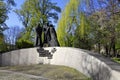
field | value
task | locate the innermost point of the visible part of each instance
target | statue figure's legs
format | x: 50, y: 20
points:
x: 36, y: 42
x: 40, y: 42
x: 52, y: 36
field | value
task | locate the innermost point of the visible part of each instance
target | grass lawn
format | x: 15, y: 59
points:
x: 116, y: 59
x: 52, y: 72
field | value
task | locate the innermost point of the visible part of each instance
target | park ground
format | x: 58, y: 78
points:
x: 40, y: 72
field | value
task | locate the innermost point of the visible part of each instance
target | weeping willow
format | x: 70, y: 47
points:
x: 65, y: 23
x: 72, y: 18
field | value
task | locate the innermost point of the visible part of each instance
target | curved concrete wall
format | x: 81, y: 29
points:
x: 20, y: 57
x: 89, y: 63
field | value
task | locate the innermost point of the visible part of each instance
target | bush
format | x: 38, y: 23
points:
x: 24, y: 44
x: 3, y: 48
x: 82, y: 43
x: 116, y: 59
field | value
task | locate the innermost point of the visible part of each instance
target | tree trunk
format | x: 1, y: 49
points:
x: 107, y: 50
x: 99, y: 47
x: 114, y: 50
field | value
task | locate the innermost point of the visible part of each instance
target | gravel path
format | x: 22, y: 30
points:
x: 11, y: 75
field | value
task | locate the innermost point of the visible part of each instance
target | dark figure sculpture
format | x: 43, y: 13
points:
x: 52, y: 36
x: 45, y: 30
x: 38, y: 36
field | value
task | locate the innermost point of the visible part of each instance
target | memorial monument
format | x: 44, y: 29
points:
x: 50, y: 38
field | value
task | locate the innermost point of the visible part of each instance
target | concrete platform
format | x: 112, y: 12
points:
x: 91, y: 64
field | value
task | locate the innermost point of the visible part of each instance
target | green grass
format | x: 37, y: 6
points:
x: 116, y: 59
x: 52, y: 72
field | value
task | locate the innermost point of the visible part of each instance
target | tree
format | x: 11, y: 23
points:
x: 67, y: 23
x: 37, y: 11
x: 3, y: 16
x: 73, y: 21
x: 82, y: 36
x: 11, y: 36
x: 4, y: 9
x: 107, y: 20
x: 91, y: 21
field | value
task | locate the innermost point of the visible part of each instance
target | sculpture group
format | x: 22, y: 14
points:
x: 50, y: 36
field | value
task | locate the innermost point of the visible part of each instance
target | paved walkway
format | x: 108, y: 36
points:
x: 7, y: 75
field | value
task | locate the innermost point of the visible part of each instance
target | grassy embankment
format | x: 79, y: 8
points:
x: 52, y: 72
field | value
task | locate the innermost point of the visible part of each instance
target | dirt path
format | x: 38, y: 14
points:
x: 11, y: 75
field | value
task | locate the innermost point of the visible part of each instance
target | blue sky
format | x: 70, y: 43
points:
x: 13, y: 19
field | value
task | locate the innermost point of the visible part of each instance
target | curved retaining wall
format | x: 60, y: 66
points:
x: 91, y: 64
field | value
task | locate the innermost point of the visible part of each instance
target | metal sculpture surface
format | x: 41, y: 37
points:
x: 38, y: 30
x: 50, y: 38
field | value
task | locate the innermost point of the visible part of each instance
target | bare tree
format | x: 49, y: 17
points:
x: 11, y: 35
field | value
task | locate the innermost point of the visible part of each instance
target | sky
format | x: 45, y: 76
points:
x: 13, y: 19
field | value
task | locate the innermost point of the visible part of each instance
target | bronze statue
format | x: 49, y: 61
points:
x: 50, y: 36
x: 38, y: 30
